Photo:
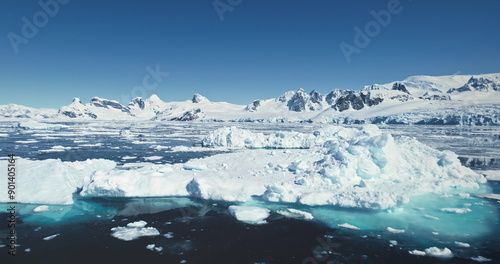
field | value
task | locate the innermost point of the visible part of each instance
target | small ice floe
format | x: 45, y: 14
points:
x: 393, y: 243
x: 41, y: 208
x: 481, y: 259
x: 431, y: 217
x: 462, y: 244
x: 153, y: 247
x: 169, y: 235
x: 294, y: 213
x: 29, y: 141
x: 395, y: 231
x: 51, y: 237
x: 444, y: 253
x: 153, y: 158
x: 249, y: 214
x: 38, y: 229
x: 55, y: 149
x: 435, y: 233
x: 28, y: 250
x: 349, y: 226
x: 133, y: 231
x: 417, y: 252
x: 91, y: 145
x: 456, y: 210
x: 128, y: 157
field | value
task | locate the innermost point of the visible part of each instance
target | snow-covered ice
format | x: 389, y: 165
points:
x: 481, y: 259
x: 439, y: 253
x: 294, y: 213
x: 456, y: 210
x: 462, y: 244
x: 395, y: 231
x: 51, y: 237
x: 39, y: 125
x: 133, y: 231
x: 348, y: 167
x: 249, y: 214
x: 417, y: 252
x: 41, y: 208
x: 349, y: 226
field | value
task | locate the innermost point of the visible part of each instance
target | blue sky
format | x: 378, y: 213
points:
x: 259, y: 50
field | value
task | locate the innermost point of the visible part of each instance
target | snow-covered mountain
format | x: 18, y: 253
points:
x: 452, y: 99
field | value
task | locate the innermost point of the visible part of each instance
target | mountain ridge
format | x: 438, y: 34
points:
x: 415, y: 94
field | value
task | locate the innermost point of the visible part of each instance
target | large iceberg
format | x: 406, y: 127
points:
x: 348, y: 167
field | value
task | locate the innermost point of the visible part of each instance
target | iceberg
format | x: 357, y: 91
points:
x: 346, y: 167
x: 249, y: 214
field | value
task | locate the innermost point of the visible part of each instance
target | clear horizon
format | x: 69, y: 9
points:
x: 234, y: 51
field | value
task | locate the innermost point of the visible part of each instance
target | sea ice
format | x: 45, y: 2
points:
x: 349, y: 226
x: 439, y: 253
x: 41, y: 208
x: 294, y: 213
x: 481, y: 259
x: 348, y: 167
x: 249, y: 214
x: 50, y: 237
x: 133, y: 231
x: 462, y: 244
x: 417, y: 252
x: 456, y: 210
x: 39, y: 125
x: 395, y: 231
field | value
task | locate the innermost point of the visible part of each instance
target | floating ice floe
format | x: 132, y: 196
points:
x: 481, y: 259
x: 294, y: 213
x: 55, y: 149
x: 462, y: 244
x: 444, y: 253
x: 349, y: 226
x: 394, y: 230
x: 133, y: 231
x: 41, y: 208
x: 51, y: 237
x: 456, y: 210
x: 249, y: 214
x: 39, y: 125
x: 417, y: 252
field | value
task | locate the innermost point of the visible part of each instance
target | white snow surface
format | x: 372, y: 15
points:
x: 348, y: 167
x: 41, y: 208
x: 39, y: 125
x: 349, y: 226
x: 481, y: 259
x: 133, y: 231
x: 249, y: 214
x: 444, y: 253
x: 52, y: 181
x: 294, y: 213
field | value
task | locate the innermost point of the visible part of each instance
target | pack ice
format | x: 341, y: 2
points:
x: 348, y: 167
